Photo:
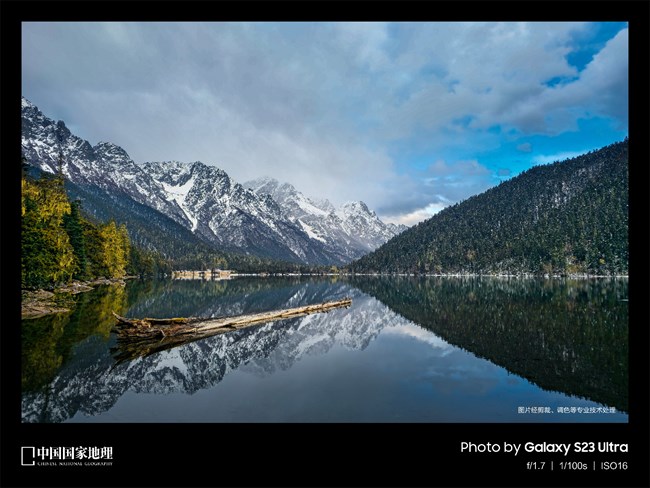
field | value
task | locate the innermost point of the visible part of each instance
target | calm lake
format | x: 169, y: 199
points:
x: 407, y: 350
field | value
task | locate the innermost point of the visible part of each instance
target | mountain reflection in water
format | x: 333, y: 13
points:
x: 408, y: 350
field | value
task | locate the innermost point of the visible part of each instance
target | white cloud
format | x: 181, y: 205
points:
x: 602, y: 88
x: 599, y: 90
x: 418, y: 215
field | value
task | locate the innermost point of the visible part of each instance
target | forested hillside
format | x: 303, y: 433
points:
x: 569, y: 217
x: 58, y: 244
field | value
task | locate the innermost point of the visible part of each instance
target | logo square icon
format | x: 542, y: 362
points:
x: 27, y: 456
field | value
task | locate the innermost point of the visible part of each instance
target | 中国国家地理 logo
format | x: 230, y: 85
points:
x: 66, y: 456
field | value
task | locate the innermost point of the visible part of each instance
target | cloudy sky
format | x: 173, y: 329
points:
x: 408, y: 117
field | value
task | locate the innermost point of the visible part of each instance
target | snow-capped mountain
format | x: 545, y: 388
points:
x: 205, y: 200
x: 46, y: 144
x: 225, y: 213
x: 350, y: 231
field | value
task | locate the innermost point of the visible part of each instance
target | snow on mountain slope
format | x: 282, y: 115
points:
x: 47, y: 144
x: 226, y: 213
x: 270, y: 219
x: 350, y: 231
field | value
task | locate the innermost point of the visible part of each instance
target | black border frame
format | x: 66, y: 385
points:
x: 315, y: 454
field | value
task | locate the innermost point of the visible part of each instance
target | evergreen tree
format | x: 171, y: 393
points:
x: 94, y: 250
x: 72, y: 223
x: 125, y: 244
x: 47, y: 256
x: 113, y: 250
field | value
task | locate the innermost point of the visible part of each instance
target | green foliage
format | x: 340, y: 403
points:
x: 148, y: 263
x: 114, y: 251
x: 564, y: 218
x: 48, y: 342
x: 94, y: 249
x: 47, y: 255
x: 59, y: 244
x: 73, y: 225
x: 41, y: 357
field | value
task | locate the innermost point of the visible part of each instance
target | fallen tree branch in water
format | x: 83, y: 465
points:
x: 141, y: 337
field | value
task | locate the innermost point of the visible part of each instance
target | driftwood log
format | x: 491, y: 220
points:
x: 142, y: 337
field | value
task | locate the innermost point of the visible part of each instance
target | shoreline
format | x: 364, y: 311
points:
x: 40, y: 302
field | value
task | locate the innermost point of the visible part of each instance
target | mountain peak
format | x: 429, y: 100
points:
x: 108, y: 149
x: 193, y: 164
x: 213, y: 167
x: 356, y: 207
x: 26, y: 103
x: 263, y: 184
x: 106, y: 145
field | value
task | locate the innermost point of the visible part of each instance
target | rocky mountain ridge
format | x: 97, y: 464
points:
x: 270, y: 220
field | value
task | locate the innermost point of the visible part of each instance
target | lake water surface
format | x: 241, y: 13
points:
x: 407, y: 350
